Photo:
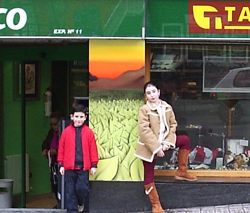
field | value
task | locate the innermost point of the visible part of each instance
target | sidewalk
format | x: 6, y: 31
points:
x: 233, y: 208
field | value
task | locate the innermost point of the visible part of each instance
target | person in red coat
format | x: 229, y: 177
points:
x: 77, y: 156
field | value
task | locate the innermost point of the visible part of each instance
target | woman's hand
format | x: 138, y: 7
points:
x: 160, y: 153
x: 165, y: 147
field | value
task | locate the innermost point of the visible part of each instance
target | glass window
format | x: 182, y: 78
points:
x: 242, y: 79
x: 208, y: 87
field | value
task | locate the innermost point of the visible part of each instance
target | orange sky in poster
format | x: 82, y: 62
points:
x: 111, y: 58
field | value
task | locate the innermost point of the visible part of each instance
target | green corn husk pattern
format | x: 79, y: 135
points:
x: 113, y: 117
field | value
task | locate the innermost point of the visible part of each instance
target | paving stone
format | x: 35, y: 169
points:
x: 194, y: 210
x: 176, y: 211
x: 222, y: 209
x: 246, y: 207
x: 233, y: 208
x: 236, y: 208
x: 208, y: 210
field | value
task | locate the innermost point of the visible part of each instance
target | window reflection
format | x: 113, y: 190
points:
x: 217, y: 121
x: 242, y: 79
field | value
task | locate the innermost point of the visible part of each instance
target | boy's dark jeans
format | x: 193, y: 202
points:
x: 76, y: 189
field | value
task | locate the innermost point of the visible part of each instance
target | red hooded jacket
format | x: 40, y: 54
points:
x: 66, y: 151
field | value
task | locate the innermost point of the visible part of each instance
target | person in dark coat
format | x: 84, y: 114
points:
x: 50, y: 149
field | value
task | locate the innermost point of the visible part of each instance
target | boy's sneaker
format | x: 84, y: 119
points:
x: 80, y: 208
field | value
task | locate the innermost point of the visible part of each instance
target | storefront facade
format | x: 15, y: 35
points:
x: 106, y: 51
x: 192, y: 55
x: 186, y: 45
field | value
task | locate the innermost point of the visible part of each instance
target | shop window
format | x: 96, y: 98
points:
x: 209, y: 89
x: 239, y: 51
x: 166, y: 59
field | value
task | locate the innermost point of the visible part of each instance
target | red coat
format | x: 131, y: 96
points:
x: 66, y: 151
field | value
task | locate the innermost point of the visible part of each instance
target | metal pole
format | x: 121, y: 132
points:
x: 62, y: 192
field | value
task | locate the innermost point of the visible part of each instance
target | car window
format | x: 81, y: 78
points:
x: 242, y: 79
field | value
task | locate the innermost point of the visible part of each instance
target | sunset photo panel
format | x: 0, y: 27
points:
x: 116, y: 78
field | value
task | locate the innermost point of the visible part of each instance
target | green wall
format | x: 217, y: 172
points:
x: 120, y: 18
x: 37, y: 124
x: 74, y: 18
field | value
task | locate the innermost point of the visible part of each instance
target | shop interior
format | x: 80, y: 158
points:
x: 208, y: 87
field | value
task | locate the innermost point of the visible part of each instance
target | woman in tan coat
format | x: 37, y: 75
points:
x: 157, y: 126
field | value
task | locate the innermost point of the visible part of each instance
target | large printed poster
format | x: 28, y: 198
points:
x: 116, y: 92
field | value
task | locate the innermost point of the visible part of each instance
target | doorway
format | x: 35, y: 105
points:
x: 1, y: 122
x: 69, y: 82
x: 58, y: 67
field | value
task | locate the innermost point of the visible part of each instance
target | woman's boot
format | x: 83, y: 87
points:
x: 182, y: 173
x: 152, y: 193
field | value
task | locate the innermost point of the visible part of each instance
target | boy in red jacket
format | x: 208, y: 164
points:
x: 77, y: 155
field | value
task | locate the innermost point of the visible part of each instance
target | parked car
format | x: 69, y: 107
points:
x: 237, y: 80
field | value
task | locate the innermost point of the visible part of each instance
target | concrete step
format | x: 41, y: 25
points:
x: 123, y: 196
